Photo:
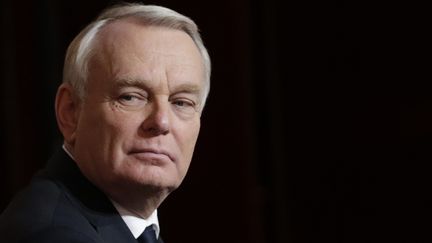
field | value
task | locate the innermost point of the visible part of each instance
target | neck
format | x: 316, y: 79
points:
x: 142, y: 203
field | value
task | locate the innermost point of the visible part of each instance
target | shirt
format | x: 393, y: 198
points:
x: 137, y: 224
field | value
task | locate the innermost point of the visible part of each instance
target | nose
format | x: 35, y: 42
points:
x: 157, y: 121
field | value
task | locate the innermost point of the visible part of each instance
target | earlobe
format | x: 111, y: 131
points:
x: 67, y: 108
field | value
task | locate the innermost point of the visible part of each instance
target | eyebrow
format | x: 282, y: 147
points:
x: 125, y: 82
x: 182, y: 88
x: 187, y: 88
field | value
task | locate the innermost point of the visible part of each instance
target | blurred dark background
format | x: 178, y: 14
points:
x: 318, y: 127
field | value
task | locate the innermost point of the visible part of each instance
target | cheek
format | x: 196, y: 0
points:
x: 108, y: 129
x: 189, y: 138
x: 122, y: 128
x: 187, y: 149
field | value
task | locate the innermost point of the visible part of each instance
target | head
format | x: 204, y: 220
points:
x: 134, y: 87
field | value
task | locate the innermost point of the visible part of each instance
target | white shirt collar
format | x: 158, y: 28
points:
x: 68, y: 152
x: 134, y: 222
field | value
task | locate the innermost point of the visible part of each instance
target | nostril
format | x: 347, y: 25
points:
x: 158, y: 130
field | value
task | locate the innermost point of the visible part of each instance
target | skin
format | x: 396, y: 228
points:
x: 134, y: 133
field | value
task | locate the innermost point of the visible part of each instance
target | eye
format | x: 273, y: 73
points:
x: 183, y: 103
x: 131, y: 99
x: 127, y: 97
x: 184, y: 107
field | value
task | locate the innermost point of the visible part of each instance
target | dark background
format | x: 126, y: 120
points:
x: 318, y: 127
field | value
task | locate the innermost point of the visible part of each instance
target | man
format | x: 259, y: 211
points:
x: 135, y: 84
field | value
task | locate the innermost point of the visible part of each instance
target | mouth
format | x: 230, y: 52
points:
x: 152, y: 155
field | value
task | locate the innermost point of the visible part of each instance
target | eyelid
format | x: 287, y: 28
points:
x: 134, y: 95
x: 132, y: 90
x: 188, y: 108
x: 188, y: 100
x: 192, y: 96
x: 134, y: 99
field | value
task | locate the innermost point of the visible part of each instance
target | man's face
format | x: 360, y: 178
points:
x: 140, y: 119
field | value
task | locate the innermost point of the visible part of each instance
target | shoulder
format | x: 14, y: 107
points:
x: 36, y: 202
x: 57, y: 234
x: 40, y: 213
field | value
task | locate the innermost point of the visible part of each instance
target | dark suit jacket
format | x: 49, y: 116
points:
x: 61, y: 205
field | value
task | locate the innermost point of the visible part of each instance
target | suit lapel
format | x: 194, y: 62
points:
x: 92, y: 202
x: 114, y: 231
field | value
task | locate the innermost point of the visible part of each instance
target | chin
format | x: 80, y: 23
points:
x: 156, y: 177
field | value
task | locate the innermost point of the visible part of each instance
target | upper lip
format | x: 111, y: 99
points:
x: 153, y: 150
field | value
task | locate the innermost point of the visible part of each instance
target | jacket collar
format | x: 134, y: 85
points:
x: 89, y: 199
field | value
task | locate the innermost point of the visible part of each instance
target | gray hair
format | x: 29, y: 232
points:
x: 79, y: 52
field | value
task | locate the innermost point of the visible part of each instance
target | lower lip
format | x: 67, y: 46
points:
x: 153, y: 158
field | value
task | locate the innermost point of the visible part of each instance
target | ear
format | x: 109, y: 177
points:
x: 67, y: 108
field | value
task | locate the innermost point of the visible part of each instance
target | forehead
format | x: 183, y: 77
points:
x: 129, y: 38
x: 129, y: 49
